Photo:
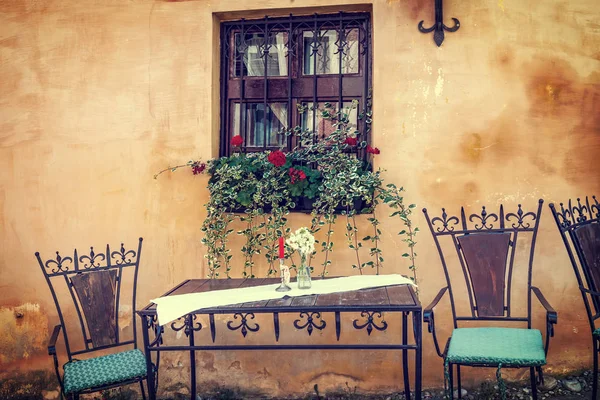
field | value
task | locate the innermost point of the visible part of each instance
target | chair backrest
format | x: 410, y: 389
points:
x: 579, y: 227
x: 485, y: 245
x: 94, y: 285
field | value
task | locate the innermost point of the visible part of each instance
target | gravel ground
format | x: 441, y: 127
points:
x: 562, y: 388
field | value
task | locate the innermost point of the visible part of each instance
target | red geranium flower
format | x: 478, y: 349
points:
x: 277, y: 158
x: 372, y: 150
x: 237, y: 141
x: 198, y: 168
x: 296, y: 175
x: 351, y: 141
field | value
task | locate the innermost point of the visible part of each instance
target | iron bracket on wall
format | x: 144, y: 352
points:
x: 438, y: 28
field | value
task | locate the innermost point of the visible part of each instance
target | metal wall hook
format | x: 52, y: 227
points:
x: 439, y: 27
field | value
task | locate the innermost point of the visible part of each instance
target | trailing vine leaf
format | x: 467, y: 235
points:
x: 391, y: 196
x: 327, y: 245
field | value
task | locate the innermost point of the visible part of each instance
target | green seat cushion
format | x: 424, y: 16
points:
x: 596, y: 332
x: 104, y: 370
x: 494, y: 346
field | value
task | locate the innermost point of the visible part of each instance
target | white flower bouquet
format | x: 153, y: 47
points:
x: 302, y: 241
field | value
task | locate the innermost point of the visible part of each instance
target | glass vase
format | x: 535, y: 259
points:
x: 303, y: 276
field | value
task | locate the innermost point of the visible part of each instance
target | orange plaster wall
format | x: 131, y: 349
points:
x: 96, y: 97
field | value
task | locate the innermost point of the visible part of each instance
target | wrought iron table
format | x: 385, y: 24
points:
x: 370, y: 303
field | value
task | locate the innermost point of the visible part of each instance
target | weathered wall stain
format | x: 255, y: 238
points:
x: 208, y: 361
x: 25, y: 332
x: 472, y: 148
x: 566, y: 106
x: 421, y: 9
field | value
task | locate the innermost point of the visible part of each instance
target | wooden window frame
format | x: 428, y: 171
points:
x: 295, y: 87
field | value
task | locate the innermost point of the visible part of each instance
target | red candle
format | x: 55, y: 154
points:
x: 281, y: 248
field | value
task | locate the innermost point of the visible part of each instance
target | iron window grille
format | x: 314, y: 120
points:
x: 272, y: 66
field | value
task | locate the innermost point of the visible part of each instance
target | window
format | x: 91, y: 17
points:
x: 272, y: 67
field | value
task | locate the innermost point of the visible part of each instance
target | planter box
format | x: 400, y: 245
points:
x: 305, y: 205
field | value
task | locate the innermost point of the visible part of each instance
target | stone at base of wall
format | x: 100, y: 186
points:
x: 50, y: 394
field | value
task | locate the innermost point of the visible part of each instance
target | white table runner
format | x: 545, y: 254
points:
x: 170, y: 308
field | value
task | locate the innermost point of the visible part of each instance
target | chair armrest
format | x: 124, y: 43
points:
x: 551, y: 314
x: 53, y: 339
x: 429, y: 318
x: 52, y: 352
x: 551, y: 317
x: 428, y: 312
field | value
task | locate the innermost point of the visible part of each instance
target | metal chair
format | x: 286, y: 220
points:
x: 579, y: 227
x: 94, y: 282
x: 485, y: 246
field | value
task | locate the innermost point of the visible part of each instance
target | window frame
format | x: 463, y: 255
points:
x: 295, y: 87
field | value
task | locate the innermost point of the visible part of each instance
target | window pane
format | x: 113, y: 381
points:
x: 328, y: 52
x: 324, y: 127
x: 250, y: 58
x: 258, y: 124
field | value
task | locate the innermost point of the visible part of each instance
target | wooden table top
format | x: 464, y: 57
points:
x: 388, y: 298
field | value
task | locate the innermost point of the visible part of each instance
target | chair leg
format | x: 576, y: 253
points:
x: 533, y: 383
x: 451, y: 380
x: 595, y: 372
x: 142, y: 389
x: 458, y: 381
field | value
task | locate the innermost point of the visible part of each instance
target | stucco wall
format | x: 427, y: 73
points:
x: 97, y: 96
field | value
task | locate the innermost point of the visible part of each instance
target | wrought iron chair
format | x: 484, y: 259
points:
x: 579, y: 227
x: 485, y: 246
x: 94, y: 283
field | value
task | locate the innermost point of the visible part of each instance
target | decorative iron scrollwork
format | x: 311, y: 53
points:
x: 91, y: 259
x: 122, y: 256
x: 483, y: 219
x: 316, y: 43
x: 188, y: 324
x: 445, y: 222
x: 341, y: 43
x: 579, y: 211
x: 574, y: 214
x: 157, y: 329
x: 243, y: 323
x: 439, y: 27
x: 213, y: 328
x: 178, y: 324
x: 370, y: 322
x: 58, y: 263
x: 520, y: 216
x: 265, y: 47
x: 241, y: 46
x: 595, y: 208
x: 364, y: 40
x: 564, y: 216
x: 312, y: 322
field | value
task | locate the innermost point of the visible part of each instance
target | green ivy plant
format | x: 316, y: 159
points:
x: 333, y: 174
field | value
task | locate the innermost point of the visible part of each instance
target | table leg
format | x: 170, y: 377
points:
x: 192, y: 358
x: 418, y: 331
x: 405, y: 355
x: 150, y: 380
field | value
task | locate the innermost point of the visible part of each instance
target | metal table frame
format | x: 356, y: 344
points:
x: 310, y: 319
